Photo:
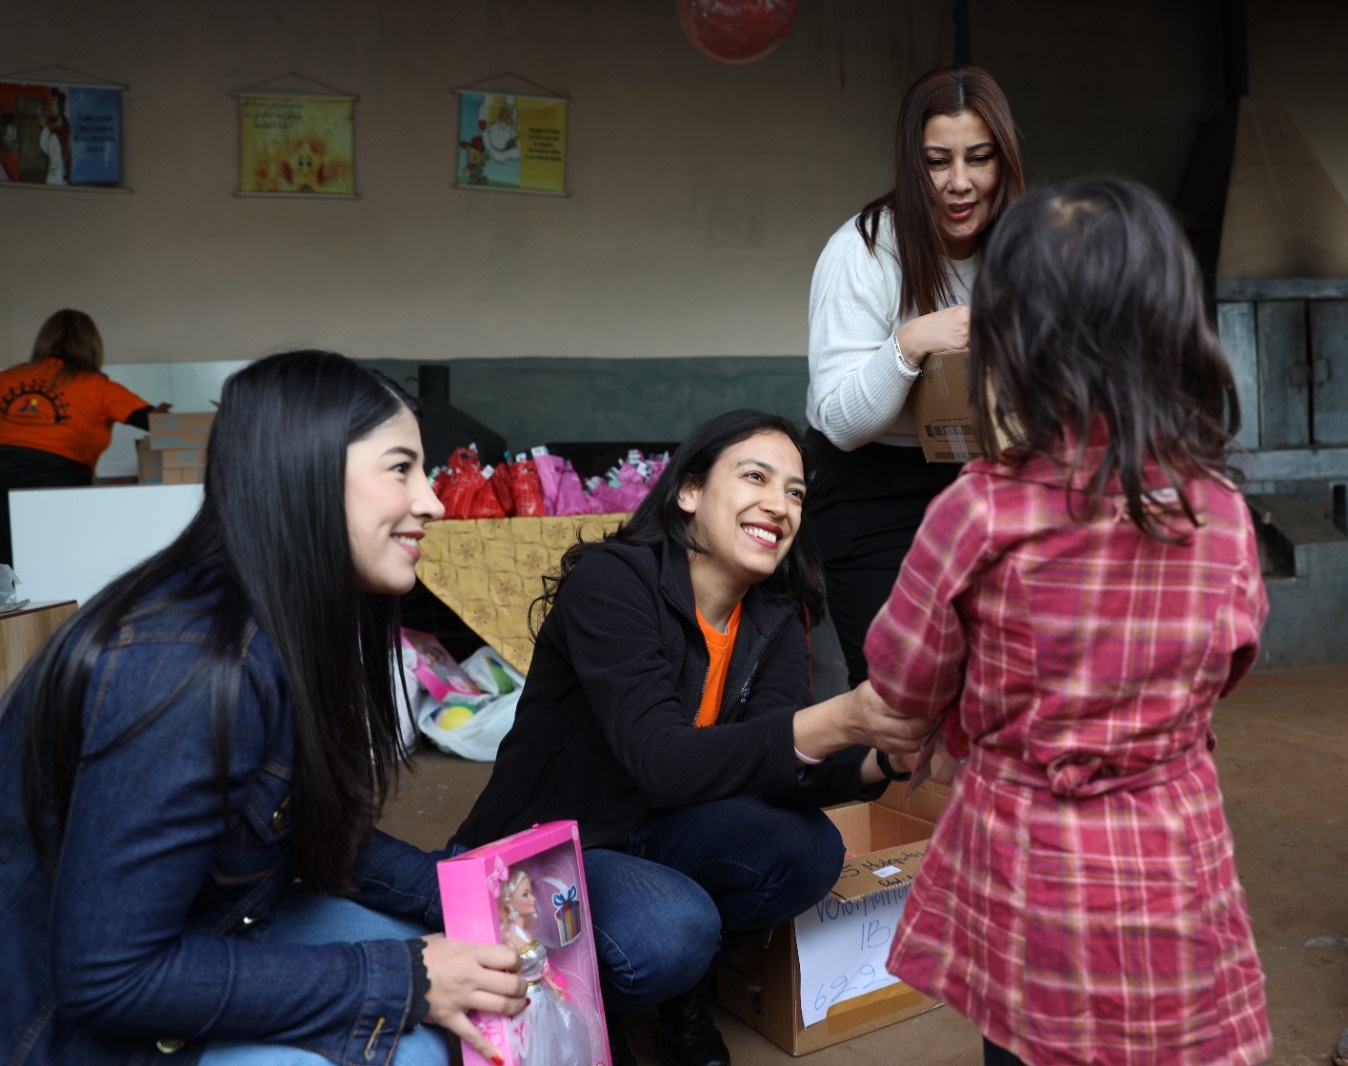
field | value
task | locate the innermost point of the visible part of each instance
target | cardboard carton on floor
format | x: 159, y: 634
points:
x: 149, y: 463
x: 821, y: 979
x: 939, y: 401
x: 174, y: 453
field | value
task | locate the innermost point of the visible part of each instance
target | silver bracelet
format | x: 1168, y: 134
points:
x: 808, y: 760
x: 903, y: 360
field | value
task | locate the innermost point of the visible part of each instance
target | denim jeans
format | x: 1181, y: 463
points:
x: 309, y: 919
x: 692, y: 885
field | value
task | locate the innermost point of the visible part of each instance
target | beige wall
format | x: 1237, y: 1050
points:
x: 700, y: 192
x: 1104, y: 86
x: 1299, y: 59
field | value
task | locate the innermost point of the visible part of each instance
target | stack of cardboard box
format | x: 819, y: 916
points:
x: 174, y: 453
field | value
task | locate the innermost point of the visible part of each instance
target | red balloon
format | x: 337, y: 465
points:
x: 736, y: 31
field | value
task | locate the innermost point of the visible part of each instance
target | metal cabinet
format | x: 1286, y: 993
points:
x: 1287, y: 340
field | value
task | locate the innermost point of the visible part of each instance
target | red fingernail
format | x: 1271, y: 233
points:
x: 527, y: 1001
x: 498, y: 1060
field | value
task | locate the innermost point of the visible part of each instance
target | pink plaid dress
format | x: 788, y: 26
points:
x: 1079, y: 900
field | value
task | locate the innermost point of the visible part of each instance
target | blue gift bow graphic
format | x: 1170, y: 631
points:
x: 559, y: 900
x: 567, y: 892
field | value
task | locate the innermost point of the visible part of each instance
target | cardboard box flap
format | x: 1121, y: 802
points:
x: 927, y: 801
x: 939, y: 401
x: 887, y: 868
x: 186, y: 430
x: 895, y: 818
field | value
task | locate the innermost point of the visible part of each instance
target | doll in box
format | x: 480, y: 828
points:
x: 550, y: 1031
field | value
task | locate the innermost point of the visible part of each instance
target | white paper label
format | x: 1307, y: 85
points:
x: 842, y: 946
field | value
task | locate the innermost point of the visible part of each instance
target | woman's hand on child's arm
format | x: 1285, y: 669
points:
x: 940, y: 765
x: 878, y: 725
x: 856, y: 717
x: 468, y: 977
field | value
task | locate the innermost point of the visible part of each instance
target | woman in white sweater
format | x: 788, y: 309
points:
x: 890, y: 288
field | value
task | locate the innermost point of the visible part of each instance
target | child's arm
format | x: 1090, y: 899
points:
x: 1256, y: 611
x: 916, y: 647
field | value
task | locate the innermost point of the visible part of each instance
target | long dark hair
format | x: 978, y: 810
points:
x: 269, y: 548
x: 914, y: 203
x: 1089, y: 309
x: 659, y: 518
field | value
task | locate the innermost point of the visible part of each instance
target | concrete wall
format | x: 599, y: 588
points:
x: 1125, y: 86
x: 1297, y: 59
x: 1118, y: 87
x: 534, y: 401
x: 700, y: 192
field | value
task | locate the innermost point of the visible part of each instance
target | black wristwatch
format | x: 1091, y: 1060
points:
x: 886, y: 768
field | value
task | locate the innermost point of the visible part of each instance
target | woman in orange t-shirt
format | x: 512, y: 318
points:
x: 57, y: 411
x: 697, y: 840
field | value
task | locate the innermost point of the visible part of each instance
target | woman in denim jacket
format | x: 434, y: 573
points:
x: 193, y: 766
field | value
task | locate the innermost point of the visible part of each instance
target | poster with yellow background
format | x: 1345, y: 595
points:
x: 512, y: 143
x: 291, y: 144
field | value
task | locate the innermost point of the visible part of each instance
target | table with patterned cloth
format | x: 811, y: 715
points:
x: 489, y: 570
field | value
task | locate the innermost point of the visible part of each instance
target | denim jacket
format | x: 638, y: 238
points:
x: 151, y: 935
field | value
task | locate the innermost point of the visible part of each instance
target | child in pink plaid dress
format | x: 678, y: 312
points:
x: 1075, y: 607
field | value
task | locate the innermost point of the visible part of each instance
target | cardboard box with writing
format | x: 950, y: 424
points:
x: 939, y: 401
x: 174, y: 452
x: 821, y: 979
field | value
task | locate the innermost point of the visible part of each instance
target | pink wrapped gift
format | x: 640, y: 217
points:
x: 436, y: 670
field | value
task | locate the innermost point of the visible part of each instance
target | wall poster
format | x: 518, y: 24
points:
x: 511, y: 143
x: 56, y: 132
x: 296, y: 142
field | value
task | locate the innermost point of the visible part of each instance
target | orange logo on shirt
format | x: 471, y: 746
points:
x: 34, y: 404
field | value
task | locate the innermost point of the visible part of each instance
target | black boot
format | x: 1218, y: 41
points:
x: 619, y: 1053
x: 688, y: 1036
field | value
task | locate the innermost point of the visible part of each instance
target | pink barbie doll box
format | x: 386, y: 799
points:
x: 528, y: 891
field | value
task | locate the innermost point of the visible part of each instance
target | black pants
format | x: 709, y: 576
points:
x: 998, y: 1056
x: 29, y: 468
x: 864, y: 508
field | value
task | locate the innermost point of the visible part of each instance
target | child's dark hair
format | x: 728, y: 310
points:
x: 659, y: 518
x: 1088, y: 311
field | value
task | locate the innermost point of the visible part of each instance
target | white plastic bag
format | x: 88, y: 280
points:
x: 491, y: 673
x: 479, y: 736
x: 481, y: 733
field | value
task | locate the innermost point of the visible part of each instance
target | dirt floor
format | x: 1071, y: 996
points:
x: 1283, y: 755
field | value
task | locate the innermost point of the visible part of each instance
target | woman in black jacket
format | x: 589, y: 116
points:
x: 694, y: 614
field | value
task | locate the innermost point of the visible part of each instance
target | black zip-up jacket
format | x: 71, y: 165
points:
x: 604, y: 728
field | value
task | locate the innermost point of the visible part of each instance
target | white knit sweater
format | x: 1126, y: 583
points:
x: 858, y: 387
